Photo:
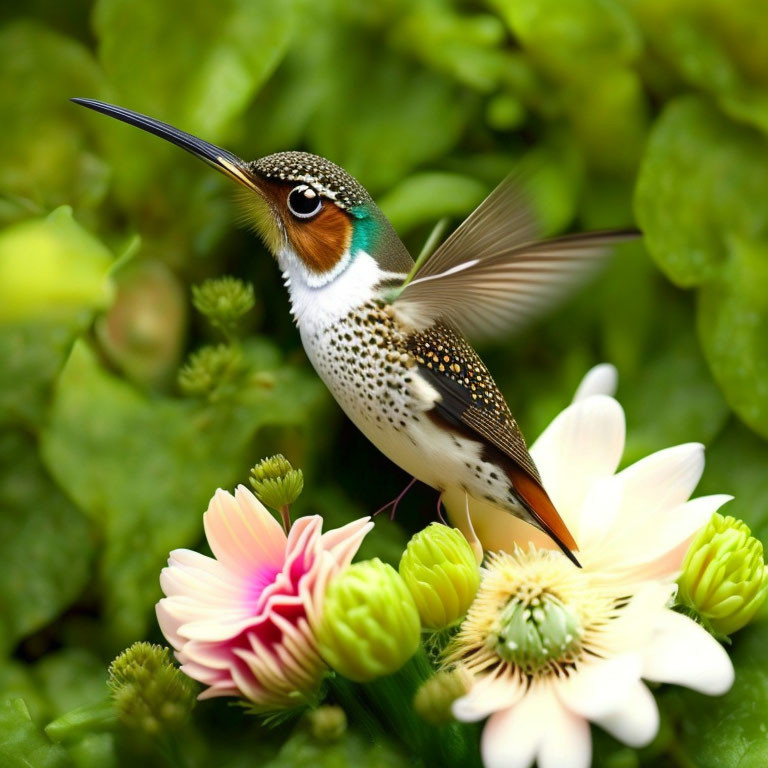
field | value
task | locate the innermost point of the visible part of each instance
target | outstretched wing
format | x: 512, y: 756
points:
x: 503, y: 221
x: 491, y: 276
x: 503, y: 291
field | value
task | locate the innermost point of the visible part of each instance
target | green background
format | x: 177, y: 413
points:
x: 647, y: 112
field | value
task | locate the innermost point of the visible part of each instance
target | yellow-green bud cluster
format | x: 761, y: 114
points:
x: 275, y: 482
x: 224, y: 301
x: 150, y: 693
x: 434, y: 698
x: 724, y: 578
x: 441, y: 572
x: 209, y: 368
x: 370, y: 625
x: 327, y: 724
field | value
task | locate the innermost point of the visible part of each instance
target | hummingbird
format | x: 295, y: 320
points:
x: 388, y: 335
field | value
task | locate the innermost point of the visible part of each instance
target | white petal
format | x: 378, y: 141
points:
x: 665, y: 550
x: 487, y: 696
x: 599, y: 687
x: 660, y: 482
x: 650, y: 490
x: 600, y: 380
x: 581, y: 446
x: 538, y: 726
x: 568, y: 743
x: 684, y: 653
x: 636, y: 721
x: 511, y: 737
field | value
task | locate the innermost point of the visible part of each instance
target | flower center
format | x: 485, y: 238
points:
x: 534, y: 632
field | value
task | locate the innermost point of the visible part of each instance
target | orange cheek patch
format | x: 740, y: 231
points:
x: 320, y: 242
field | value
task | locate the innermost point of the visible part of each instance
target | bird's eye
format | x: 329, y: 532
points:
x: 304, y: 202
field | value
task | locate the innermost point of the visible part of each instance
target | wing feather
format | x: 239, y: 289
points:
x: 506, y: 288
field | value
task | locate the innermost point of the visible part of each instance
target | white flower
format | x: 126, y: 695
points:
x: 552, y: 647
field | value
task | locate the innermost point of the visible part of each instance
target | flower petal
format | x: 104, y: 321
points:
x: 344, y: 542
x: 568, y: 743
x: 582, y: 445
x: 537, y: 726
x: 486, y: 696
x: 242, y: 533
x: 647, y: 492
x: 664, y: 556
x: 660, y: 482
x: 599, y: 687
x: 636, y: 721
x: 600, y: 380
x: 682, y: 652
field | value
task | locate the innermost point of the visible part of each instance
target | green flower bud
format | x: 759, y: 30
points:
x: 224, y: 301
x: 532, y: 634
x: 208, y: 369
x: 276, y: 483
x: 151, y: 694
x: 370, y: 625
x: 434, y: 698
x: 441, y: 572
x: 327, y: 724
x: 724, y: 578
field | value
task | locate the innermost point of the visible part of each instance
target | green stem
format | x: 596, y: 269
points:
x: 351, y: 699
x: 169, y: 747
x: 285, y: 514
x: 435, y: 236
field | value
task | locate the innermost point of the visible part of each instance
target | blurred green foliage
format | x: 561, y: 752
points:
x: 647, y: 111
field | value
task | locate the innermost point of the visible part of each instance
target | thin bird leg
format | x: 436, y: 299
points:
x: 396, y: 501
x: 471, y: 536
x: 439, y: 511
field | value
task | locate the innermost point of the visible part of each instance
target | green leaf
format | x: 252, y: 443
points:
x: 22, y: 745
x: 736, y: 464
x: 567, y: 37
x: 714, y: 47
x: 729, y: 731
x: 376, y: 114
x: 215, y: 56
x: 45, y: 543
x: 145, y: 468
x: 672, y: 399
x: 426, y: 197
x: 704, y: 234
x: 46, y: 158
x: 71, y: 678
x: 51, y: 267
x: 32, y: 352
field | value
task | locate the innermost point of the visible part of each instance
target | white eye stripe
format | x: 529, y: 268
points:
x: 304, y: 202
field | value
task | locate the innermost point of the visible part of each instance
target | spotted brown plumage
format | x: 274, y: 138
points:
x: 471, y: 402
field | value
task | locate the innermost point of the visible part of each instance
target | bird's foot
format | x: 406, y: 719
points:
x: 396, y: 501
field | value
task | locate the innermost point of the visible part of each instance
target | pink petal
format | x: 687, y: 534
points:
x: 344, y: 542
x: 241, y: 533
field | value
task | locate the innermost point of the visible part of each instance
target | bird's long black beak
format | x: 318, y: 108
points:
x: 221, y: 159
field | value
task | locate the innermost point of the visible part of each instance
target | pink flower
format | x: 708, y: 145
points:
x: 243, y: 623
